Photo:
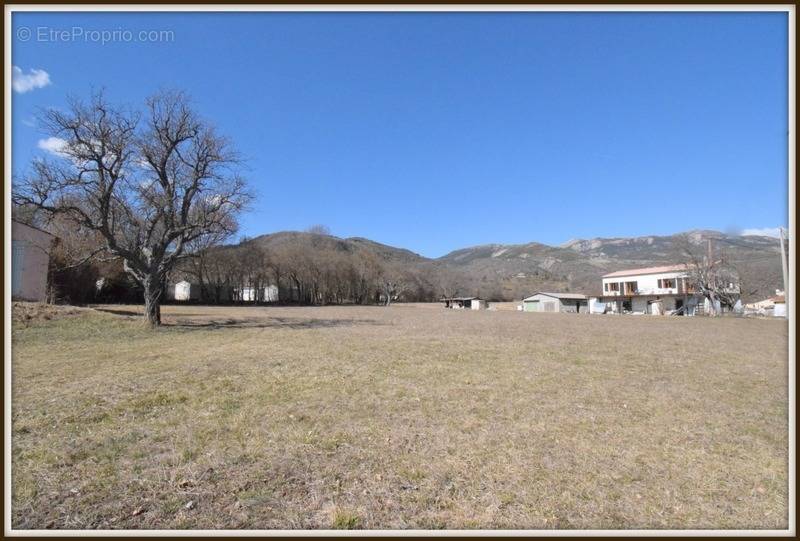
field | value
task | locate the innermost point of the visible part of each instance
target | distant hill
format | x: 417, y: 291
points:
x: 384, y: 252
x: 513, y: 271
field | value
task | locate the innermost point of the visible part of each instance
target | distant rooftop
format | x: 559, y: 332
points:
x: 647, y: 270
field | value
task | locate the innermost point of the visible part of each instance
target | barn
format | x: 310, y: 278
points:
x: 556, y: 302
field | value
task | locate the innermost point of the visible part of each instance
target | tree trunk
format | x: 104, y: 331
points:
x: 153, y: 293
x: 712, y: 305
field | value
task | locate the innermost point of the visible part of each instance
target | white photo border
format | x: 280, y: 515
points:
x: 790, y: 9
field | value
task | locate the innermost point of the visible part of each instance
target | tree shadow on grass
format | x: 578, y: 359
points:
x: 118, y: 312
x: 182, y: 321
x: 269, y: 323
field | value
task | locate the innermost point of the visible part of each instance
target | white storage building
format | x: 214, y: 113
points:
x: 185, y: 291
x: 556, y: 302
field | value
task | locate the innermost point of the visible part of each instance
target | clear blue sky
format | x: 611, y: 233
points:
x: 439, y: 131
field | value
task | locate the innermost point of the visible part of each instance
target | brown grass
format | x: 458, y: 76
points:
x: 406, y: 417
x: 25, y: 313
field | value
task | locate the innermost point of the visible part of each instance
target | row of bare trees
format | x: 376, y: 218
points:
x: 309, y: 270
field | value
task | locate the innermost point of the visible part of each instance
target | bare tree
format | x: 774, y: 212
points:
x: 391, y: 284
x: 148, y: 184
x: 449, y: 282
x: 710, y: 274
x: 366, y: 270
x: 319, y: 229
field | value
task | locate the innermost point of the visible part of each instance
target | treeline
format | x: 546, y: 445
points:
x: 312, y: 269
x: 308, y: 268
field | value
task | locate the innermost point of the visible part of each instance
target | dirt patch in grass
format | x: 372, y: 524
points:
x: 399, y: 417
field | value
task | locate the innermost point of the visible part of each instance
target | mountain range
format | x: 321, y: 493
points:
x: 513, y: 271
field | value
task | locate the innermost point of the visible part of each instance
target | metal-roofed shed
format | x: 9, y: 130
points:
x: 544, y: 301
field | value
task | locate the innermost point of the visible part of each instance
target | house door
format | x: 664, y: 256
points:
x: 17, y: 260
x: 549, y: 307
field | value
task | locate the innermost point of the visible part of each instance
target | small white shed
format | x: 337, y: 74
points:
x: 186, y: 291
x: 479, y: 304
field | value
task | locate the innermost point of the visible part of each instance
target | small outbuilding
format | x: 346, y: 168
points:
x: 556, y: 302
x: 186, y: 291
x: 465, y: 303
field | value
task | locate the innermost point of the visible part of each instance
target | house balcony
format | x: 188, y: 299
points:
x: 657, y: 291
x: 643, y: 292
x: 626, y: 293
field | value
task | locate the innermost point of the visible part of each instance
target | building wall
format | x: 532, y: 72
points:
x: 572, y: 306
x: 639, y: 305
x: 542, y: 304
x: 271, y: 294
x: 30, y: 259
x: 552, y: 304
x: 596, y: 306
x: 247, y: 294
x: 642, y: 305
x: 265, y: 294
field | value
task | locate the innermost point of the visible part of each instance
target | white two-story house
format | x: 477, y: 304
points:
x: 651, y: 290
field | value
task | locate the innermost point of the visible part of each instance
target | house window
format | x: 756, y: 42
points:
x: 614, y: 286
x: 666, y: 283
x: 631, y: 287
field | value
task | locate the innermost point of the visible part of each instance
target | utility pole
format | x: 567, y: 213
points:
x: 785, y: 265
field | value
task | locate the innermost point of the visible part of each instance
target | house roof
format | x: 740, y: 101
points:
x: 577, y: 296
x: 778, y: 298
x: 647, y: 270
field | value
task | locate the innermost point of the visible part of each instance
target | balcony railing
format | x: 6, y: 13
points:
x: 643, y: 291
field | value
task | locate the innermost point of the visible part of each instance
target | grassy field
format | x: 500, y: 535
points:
x: 400, y: 417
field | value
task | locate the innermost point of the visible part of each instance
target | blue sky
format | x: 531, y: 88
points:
x: 443, y: 130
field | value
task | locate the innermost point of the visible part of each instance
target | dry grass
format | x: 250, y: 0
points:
x: 406, y: 417
x: 26, y: 313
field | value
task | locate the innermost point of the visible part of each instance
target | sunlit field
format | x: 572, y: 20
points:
x: 400, y: 417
